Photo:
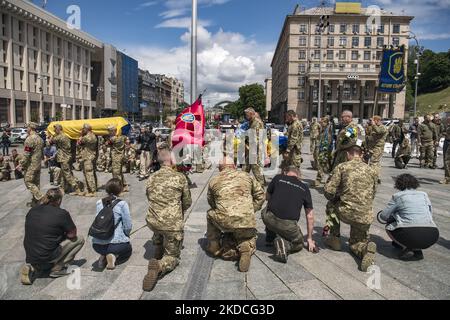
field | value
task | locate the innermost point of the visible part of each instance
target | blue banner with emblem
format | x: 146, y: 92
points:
x: 392, y: 76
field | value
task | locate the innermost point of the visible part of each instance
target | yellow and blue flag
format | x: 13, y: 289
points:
x: 348, y: 6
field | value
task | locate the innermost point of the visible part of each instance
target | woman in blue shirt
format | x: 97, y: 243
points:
x: 409, y: 219
x: 118, y: 249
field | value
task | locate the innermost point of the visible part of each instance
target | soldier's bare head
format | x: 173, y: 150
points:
x: 165, y: 158
x: 250, y: 113
x: 314, y: 120
x: 377, y: 120
x: 14, y: 152
x: 112, y: 130
x: 324, y: 121
x: 291, y: 116
x: 437, y: 117
x: 347, y: 117
x: 354, y: 152
x: 226, y: 162
x: 53, y: 197
x: 292, y: 171
x: 87, y: 128
x: 58, y: 128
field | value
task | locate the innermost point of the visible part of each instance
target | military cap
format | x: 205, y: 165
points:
x: 112, y: 128
x: 87, y: 126
x: 32, y: 125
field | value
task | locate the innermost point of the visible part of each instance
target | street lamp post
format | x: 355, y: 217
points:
x: 413, y: 36
x: 321, y: 27
x: 41, y: 91
x: 132, y: 97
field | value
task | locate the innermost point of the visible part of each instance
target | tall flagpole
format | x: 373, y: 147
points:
x: 194, y: 52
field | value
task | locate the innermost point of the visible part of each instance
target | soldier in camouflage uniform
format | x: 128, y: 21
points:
x: 169, y: 198
x: 256, y: 128
x: 440, y: 132
x: 88, y: 154
x: 16, y: 159
x: 351, y: 190
x: 234, y: 197
x: 447, y: 153
x: 64, y: 158
x: 293, y: 154
x: 104, y: 163
x: 346, y: 138
x: 403, y: 155
x: 375, y: 142
x: 5, y: 169
x: 32, y: 162
x: 130, y: 158
x: 117, y: 142
x: 323, y: 152
x: 314, y: 135
x: 427, y: 141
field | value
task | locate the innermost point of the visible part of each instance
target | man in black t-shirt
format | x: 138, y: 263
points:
x: 51, y: 240
x: 287, y: 195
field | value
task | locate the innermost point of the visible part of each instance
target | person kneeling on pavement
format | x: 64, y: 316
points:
x: 409, y: 219
x: 403, y: 155
x: 234, y: 196
x: 351, y: 190
x: 287, y: 195
x: 117, y: 249
x: 169, y: 198
x: 51, y: 240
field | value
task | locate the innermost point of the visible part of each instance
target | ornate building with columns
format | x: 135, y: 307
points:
x: 45, y: 66
x: 348, y: 54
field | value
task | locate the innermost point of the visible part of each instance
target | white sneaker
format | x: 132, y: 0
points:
x: 111, y: 259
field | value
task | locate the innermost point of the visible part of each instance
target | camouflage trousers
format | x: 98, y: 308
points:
x: 5, y: 175
x: 68, y: 176
x: 359, y: 233
x: 375, y: 160
x: 257, y: 170
x: 146, y: 163
x: 427, y: 154
x: 323, y: 164
x: 447, y: 165
x: 32, y: 179
x: 172, y: 243
x: 116, y: 167
x: 339, y: 157
x: 90, y: 175
x: 232, y: 241
x: 313, y: 145
x: 55, y: 174
x: 294, y: 159
x: 129, y: 166
x: 287, y: 229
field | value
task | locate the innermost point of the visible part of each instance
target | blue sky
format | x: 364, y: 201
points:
x: 236, y: 40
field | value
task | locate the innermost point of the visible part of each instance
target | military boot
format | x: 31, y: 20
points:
x: 317, y: 183
x: 150, y: 280
x: 369, y: 257
x: 214, y: 248
x: 246, y: 255
x: 77, y: 192
x: 90, y: 194
x: 334, y: 243
x: 27, y: 275
x: 445, y: 181
x: 159, y: 253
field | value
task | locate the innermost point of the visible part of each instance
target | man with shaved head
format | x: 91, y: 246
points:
x: 256, y: 126
x: 346, y: 138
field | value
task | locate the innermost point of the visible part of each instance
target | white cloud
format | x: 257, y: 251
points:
x: 226, y: 61
x: 181, y: 23
x: 146, y: 4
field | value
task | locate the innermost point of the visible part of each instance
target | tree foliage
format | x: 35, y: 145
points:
x: 249, y: 96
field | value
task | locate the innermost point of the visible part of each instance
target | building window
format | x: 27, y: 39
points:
x: 303, y: 28
x: 355, y: 41
x: 302, y: 41
x: 317, y: 54
x: 47, y: 41
x: 366, y: 55
x: 301, y: 68
x: 331, y: 41
x: 367, y: 41
x: 21, y: 31
x: 366, y: 67
x: 342, y: 54
x: 341, y: 67
x: 396, y: 41
x: 35, y: 37
x: 343, y: 28
x: 331, y: 28
x: 381, y: 29
x: 4, y: 19
x: 355, y: 55
x: 301, y: 81
x: 380, y: 41
x: 354, y: 67
x: 317, y: 41
x: 396, y: 28
x: 343, y: 41
x: 301, y: 95
x: 4, y: 51
x: 69, y: 51
x: 302, y: 55
x: 330, y: 54
x: 347, y: 89
x: 329, y: 66
x: 379, y: 55
x: 355, y: 28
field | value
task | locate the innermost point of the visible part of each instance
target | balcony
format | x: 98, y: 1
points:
x: 337, y: 70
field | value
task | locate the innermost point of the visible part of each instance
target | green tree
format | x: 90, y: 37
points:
x: 253, y: 96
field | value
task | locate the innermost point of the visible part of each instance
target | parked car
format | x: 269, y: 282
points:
x: 165, y: 132
x: 18, y: 135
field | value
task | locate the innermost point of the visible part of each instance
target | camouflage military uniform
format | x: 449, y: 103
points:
x: 64, y: 158
x: 256, y: 126
x: 31, y: 164
x: 169, y: 198
x: 234, y: 197
x: 351, y: 190
x: 118, y: 156
x: 346, y: 138
x: 323, y: 153
x: 428, y: 138
x: 440, y: 132
x: 130, y: 159
x: 403, y: 155
x: 314, y: 136
x: 5, y: 170
x: 447, y: 156
x: 295, y: 142
x: 88, y: 156
x: 104, y: 157
x: 375, y: 145
x: 17, y: 160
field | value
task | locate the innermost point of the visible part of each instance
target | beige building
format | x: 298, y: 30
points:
x: 177, y: 93
x: 351, y: 58
x: 268, y: 92
x: 45, y: 67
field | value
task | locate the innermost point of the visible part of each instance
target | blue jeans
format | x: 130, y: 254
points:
x: 122, y: 251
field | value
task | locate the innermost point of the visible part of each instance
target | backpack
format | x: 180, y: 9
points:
x: 103, y: 227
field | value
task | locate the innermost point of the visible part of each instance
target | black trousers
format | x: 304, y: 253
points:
x: 417, y: 238
x: 394, y: 147
x: 122, y: 251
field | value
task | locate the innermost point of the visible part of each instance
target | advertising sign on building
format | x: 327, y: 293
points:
x: 110, y: 77
x: 392, y: 75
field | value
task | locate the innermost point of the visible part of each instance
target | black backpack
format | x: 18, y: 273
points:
x: 103, y: 227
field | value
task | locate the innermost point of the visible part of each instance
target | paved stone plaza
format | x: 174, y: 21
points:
x: 327, y: 275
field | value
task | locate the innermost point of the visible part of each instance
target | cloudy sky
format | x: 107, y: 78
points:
x: 236, y: 38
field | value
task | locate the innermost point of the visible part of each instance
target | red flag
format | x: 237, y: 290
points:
x: 190, y: 126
